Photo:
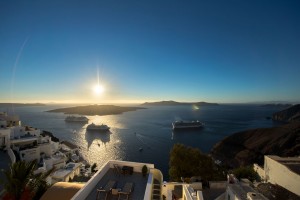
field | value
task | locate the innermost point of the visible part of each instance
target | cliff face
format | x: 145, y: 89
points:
x: 247, y: 147
x: 288, y: 115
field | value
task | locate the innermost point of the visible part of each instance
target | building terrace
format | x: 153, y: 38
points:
x: 143, y: 185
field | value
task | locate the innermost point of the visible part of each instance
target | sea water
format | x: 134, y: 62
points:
x: 146, y: 135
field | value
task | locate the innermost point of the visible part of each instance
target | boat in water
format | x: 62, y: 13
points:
x: 94, y: 127
x: 187, y: 125
x: 72, y: 118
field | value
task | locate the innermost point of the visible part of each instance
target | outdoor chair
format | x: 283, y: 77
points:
x: 126, y: 190
x: 107, y: 188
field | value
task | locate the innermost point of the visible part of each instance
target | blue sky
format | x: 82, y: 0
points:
x: 216, y: 51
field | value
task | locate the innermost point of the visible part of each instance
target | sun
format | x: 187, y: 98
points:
x: 98, y: 89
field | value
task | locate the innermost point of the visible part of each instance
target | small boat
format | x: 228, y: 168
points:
x: 141, y: 149
x: 187, y: 125
x: 72, y: 118
x: 95, y: 127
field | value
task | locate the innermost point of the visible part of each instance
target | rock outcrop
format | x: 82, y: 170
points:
x: 288, y: 115
x: 247, y: 147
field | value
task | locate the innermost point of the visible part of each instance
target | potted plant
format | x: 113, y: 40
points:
x: 144, y: 170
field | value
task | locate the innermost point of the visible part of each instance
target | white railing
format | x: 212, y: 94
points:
x: 137, y: 167
x: 11, y: 155
x: 91, y: 184
x: 200, y: 196
x: 149, y: 187
x: 186, y: 193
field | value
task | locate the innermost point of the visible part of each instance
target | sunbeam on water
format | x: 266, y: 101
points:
x: 147, y: 129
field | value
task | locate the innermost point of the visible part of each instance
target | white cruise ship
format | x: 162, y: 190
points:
x: 76, y: 119
x: 95, y: 127
x: 187, y: 125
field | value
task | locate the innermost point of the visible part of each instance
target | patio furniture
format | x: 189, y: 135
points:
x: 107, y: 188
x: 127, y: 170
x: 117, y: 169
x: 126, y: 190
x: 115, y: 191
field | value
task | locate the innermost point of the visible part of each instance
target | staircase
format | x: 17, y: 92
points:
x: 156, y: 190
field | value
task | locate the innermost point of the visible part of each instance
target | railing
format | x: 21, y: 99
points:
x: 186, y: 193
x: 149, y: 187
x: 91, y: 184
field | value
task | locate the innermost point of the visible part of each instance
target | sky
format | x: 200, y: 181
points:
x: 216, y: 51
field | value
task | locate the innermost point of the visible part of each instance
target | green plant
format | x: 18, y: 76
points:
x: 144, y: 170
x: 187, y: 162
x: 246, y: 172
x: 21, y: 183
x: 93, y: 167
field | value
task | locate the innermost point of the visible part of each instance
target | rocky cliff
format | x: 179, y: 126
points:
x: 247, y: 147
x: 288, y: 115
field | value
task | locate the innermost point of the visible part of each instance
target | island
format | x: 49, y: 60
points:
x: 21, y: 104
x: 100, y: 110
x: 277, y: 105
x: 175, y: 103
x: 250, y: 146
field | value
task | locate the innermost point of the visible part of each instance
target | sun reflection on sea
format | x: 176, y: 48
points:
x: 97, y: 147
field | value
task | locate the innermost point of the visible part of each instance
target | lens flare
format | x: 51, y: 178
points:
x: 98, y: 89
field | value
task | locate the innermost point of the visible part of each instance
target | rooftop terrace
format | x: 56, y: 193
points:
x: 112, y: 171
x: 139, y: 181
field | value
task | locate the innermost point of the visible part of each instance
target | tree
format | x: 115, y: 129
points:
x: 21, y: 183
x: 246, y: 172
x: 187, y: 162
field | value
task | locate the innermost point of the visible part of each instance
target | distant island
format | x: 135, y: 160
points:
x: 246, y: 147
x: 277, y: 105
x: 96, y: 110
x: 174, y: 103
x: 21, y: 104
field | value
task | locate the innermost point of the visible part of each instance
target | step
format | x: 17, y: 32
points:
x: 156, y: 187
x: 156, y: 181
x: 156, y: 198
x: 156, y: 192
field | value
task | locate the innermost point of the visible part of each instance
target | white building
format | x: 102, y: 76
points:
x: 6, y: 125
x: 283, y: 171
x: 66, y: 173
x: 241, y: 190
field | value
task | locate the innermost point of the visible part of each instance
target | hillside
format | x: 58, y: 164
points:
x: 247, y: 147
x: 244, y: 148
x: 20, y: 104
x: 175, y: 103
x: 288, y: 115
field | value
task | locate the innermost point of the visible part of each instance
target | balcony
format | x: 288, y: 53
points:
x: 109, y: 172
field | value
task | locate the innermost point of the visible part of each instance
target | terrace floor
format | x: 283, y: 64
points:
x: 138, y: 179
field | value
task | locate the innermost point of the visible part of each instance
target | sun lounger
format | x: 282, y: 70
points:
x: 126, y: 190
x: 107, y: 188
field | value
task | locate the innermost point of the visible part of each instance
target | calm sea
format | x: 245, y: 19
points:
x: 149, y: 129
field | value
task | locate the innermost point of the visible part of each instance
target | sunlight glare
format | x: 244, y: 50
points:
x: 98, y: 89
